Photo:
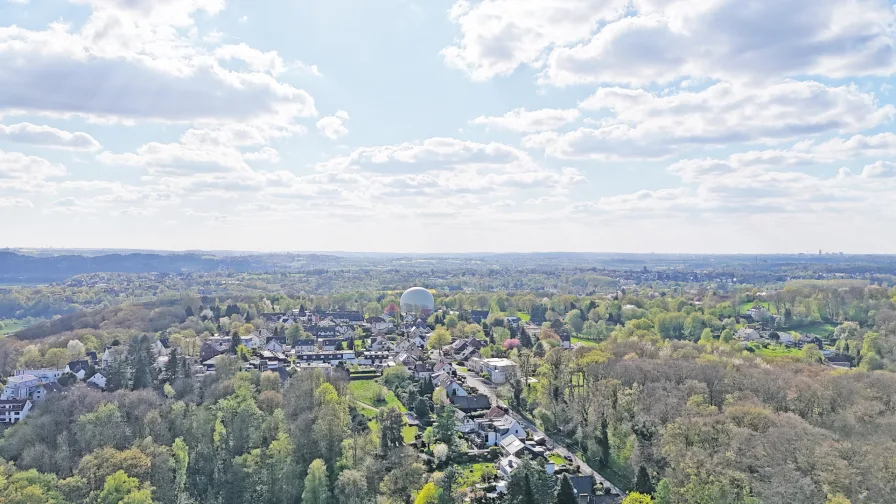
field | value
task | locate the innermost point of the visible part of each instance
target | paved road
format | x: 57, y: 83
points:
x: 488, y: 389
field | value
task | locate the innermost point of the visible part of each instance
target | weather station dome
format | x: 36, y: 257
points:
x: 417, y: 300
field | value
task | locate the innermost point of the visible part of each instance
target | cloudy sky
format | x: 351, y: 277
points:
x: 443, y: 125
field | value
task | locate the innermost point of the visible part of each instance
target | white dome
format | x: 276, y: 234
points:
x: 416, y: 300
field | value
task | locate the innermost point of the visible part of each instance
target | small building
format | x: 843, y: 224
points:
x: 78, y: 368
x: 507, y: 465
x: 500, y: 370
x: 275, y: 344
x: 304, y: 345
x: 20, y: 387
x: 162, y: 347
x: 477, y: 316
x: 98, y: 381
x: 470, y: 403
x: 747, y: 334
x: 512, y: 445
x: 14, y: 410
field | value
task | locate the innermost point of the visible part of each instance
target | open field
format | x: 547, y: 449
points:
x: 10, y: 326
x: 575, y: 340
x: 409, y: 432
x: 471, y: 474
x: 366, y: 391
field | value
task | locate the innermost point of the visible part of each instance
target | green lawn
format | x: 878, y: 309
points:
x: 575, y: 340
x: 365, y: 391
x: 777, y: 352
x: 818, y: 328
x: 358, y: 345
x: 557, y: 459
x: 10, y: 326
x: 471, y: 474
x: 409, y: 433
x: 746, y: 306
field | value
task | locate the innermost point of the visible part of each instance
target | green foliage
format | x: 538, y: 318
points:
x: 316, y: 484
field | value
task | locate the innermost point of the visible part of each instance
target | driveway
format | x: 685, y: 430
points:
x: 489, y: 389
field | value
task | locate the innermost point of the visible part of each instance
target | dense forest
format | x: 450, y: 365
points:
x: 658, y: 394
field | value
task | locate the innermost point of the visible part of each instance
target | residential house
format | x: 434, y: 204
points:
x: 512, y: 321
x: 422, y: 370
x: 507, y: 465
x: 405, y: 346
x: 444, y: 367
x: 44, y: 389
x: 326, y: 368
x: 207, y: 351
x: 493, y: 430
x: 469, y: 353
x: 162, y: 347
x: 451, y: 387
x: 463, y: 423
x: 470, y: 403
x: 92, y: 357
x: 78, y: 368
x: 500, y: 370
x: 810, y: 339
x: 211, y: 365
x: 477, y: 316
x: 584, y: 488
x: 329, y: 357
x: 44, y: 374
x: 378, y: 324
x: 330, y: 344
x: 275, y: 344
x: 565, y: 340
x: 512, y: 445
x: 747, y: 334
x: 304, y: 345
x: 14, y: 410
x: 380, y: 345
x: 370, y: 358
x: 344, y: 316
x: 112, y: 354
x: 20, y: 387
x: 98, y: 381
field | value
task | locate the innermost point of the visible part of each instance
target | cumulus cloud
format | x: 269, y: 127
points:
x: 529, y: 121
x: 15, y: 202
x: 650, y: 126
x: 129, y: 62
x: 47, y: 136
x: 497, y: 36
x: 617, y: 41
x: 333, y: 126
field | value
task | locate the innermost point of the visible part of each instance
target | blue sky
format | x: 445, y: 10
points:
x: 440, y: 125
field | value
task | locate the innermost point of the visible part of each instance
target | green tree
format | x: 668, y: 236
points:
x: 181, y: 455
x: 331, y: 424
x: 391, y: 425
x: 123, y: 489
x: 637, y: 498
x: 575, y: 320
x: 351, y: 488
x: 316, y: 484
x: 439, y: 339
x: 429, y: 494
x: 444, y: 426
x: 706, y: 335
x: 565, y: 492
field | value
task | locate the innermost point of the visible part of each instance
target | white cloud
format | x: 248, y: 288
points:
x: 880, y: 169
x: 643, y: 41
x: 732, y: 40
x: 123, y: 65
x: 333, y: 126
x: 15, y: 202
x: 15, y: 166
x: 497, y: 36
x: 47, y: 136
x: 256, y: 61
x: 650, y: 126
x: 530, y: 121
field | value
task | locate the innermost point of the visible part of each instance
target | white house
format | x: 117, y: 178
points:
x: 512, y: 445
x: 20, y: 387
x: 275, y: 345
x: 381, y: 345
x: 463, y: 423
x: 500, y: 370
x: 77, y: 368
x: 44, y: 374
x: 304, y: 345
x: 507, y: 465
x: 14, y: 410
x: 496, y: 430
x: 97, y: 380
x: 747, y: 334
x: 451, y: 387
x: 162, y: 347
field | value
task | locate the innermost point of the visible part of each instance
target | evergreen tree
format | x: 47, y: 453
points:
x: 391, y: 425
x: 566, y: 493
x: 171, y: 367
x: 316, y: 484
x: 235, y: 342
x: 189, y: 312
x: 525, y: 339
x: 421, y: 409
x: 604, y: 442
x: 643, y: 483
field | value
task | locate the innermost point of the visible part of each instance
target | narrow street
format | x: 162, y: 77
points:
x: 489, y: 389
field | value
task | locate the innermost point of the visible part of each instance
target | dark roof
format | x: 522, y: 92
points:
x: 479, y: 314
x: 303, y: 342
x: 471, y: 403
x: 207, y: 351
x: 283, y: 372
x: 469, y: 352
x: 280, y: 339
x: 583, y: 485
x: 92, y: 356
x: 165, y: 343
x: 373, y: 320
x: 495, y: 412
x: 351, y: 316
x: 12, y: 404
x: 77, y: 365
x: 51, y: 386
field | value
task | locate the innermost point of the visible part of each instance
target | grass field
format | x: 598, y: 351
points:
x: 366, y: 391
x: 575, y: 340
x: 818, y: 329
x: 777, y: 352
x: 557, y: 459
x: 471, y: 474
x: 409, y: 433
x: 10, y: 326
x: 746, y: 306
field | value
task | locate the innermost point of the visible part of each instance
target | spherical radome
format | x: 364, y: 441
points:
x: 417, y: 300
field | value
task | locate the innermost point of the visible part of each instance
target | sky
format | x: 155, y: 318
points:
x: 704, y: 126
